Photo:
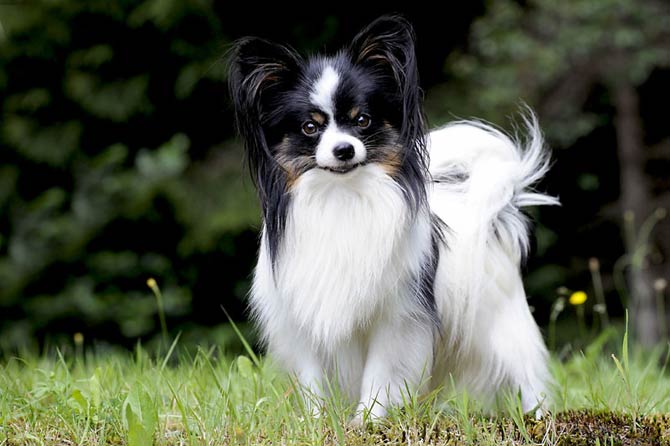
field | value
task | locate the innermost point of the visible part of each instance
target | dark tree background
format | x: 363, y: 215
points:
x: 118, y: 160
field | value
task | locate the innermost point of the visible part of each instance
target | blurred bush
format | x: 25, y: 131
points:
x: 113, y: 170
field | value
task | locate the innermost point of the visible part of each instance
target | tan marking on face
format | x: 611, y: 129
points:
x: 292, y: 166
x: 284, y: 161
x: 392, y: 160
x: 319, y: 118
x: 354, y: 112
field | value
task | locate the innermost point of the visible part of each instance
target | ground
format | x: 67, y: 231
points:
x: 602, y: 396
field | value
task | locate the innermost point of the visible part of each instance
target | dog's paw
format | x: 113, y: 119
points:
x: 541, y: 412
x: 368, y: 417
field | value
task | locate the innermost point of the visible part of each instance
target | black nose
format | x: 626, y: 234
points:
x: 344, y: 151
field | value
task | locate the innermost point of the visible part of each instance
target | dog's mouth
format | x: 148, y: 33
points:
x: 341, y: 169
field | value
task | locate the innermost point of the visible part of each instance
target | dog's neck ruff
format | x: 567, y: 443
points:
x: 344, y: 251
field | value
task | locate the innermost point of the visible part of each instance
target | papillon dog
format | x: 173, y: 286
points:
x: 389, y: 257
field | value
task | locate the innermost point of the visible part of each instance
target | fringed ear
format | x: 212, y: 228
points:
x: 258, y: 69
x: 387, y: 45
x: 258, y: 72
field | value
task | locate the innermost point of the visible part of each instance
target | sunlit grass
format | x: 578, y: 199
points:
x: 210, y: 398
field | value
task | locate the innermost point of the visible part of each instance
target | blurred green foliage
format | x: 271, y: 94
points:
x: 550, y: 54
x: 102, y: 182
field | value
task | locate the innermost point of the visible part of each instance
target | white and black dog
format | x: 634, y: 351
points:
x: 389, y: 258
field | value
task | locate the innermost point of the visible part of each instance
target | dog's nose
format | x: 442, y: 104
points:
x: 344, y: 151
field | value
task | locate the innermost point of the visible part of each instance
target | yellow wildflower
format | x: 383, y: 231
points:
x: 578, y: 298
x: 151, y: 283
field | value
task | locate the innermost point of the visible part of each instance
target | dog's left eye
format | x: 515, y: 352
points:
x: 363, y: 121
x: 309, y: 128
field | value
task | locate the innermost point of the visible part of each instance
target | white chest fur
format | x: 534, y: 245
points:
x: 344, y: 254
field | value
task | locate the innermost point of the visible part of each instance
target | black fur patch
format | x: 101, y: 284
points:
x: 426, y: 281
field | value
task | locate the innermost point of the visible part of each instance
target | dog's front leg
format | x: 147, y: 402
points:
x: 310, y: 376
x: 297, y: 355
x: 399, y: 360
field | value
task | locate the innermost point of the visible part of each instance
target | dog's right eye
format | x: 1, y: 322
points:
x: 309, y: 128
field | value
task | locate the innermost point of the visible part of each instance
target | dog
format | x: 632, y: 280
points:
x: 389, y: 257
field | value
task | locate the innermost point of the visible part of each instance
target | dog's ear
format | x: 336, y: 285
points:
x: 258, y: 69
x: 387, y: 45
x: 389, y: 40
x: 256, y: 64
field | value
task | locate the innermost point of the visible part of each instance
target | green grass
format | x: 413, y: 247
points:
x: 207, y: 398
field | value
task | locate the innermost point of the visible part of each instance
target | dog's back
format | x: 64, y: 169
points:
x: 481, y: 180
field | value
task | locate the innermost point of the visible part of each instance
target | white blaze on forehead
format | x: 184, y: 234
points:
x: 324, y: 89
x: 322, y: 96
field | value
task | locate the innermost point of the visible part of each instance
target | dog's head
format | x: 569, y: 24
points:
x: 335, y: 113
x: 331, y: 113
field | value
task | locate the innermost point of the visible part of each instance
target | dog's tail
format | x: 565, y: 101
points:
x: 482, y: 180
x: 487, y: 177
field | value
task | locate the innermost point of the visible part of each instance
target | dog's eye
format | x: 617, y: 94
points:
x: 309, y: 128
x: 363, y: 121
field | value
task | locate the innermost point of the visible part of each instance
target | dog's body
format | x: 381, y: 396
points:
x: 376, y: 269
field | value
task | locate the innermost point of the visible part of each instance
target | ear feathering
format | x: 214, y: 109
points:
x: 387, y: 45
x: 257, y: 69
x: 256, y: 66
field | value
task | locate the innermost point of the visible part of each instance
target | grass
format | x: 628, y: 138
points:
x: 605, y: 395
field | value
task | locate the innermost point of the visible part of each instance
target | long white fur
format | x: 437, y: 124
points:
x: 492, y: 340
x: 339, y: 301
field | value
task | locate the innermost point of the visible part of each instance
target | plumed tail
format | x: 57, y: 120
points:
x: 488, y: 177
x: 482, y: 180
x: 534, y: 164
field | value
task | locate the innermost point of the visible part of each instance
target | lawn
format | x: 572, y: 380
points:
x: 603, y: 395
